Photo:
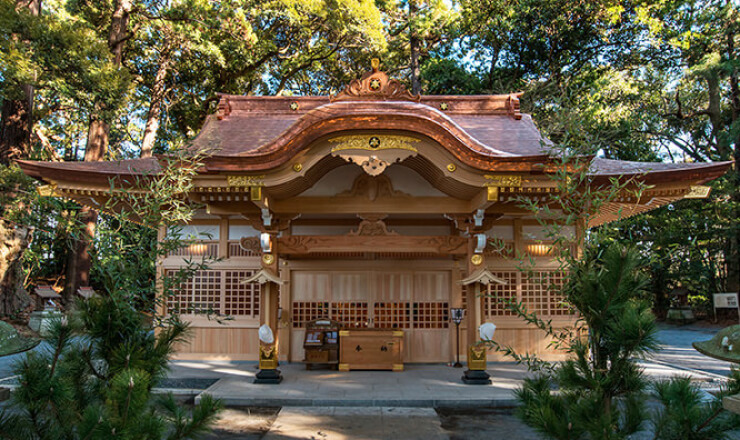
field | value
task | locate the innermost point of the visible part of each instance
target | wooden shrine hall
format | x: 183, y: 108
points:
x: 374, y: 208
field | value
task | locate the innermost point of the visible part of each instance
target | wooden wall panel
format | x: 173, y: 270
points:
x: 350, y: 286
x: 220, y: 343
x: 394, y: 286
x: 432, y: 286
x: 310, y: 286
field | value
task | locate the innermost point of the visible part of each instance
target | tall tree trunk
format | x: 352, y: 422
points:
x: 733, y: 257
x: 15, y: 127
x: 155, y: 105
x: 16, y: 117
x: 78, y: 262
x: 415, y: 47
x: 14, y: 240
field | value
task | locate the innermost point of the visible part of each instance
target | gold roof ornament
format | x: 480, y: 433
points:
x: 483, y: 276
x: 263, y: 276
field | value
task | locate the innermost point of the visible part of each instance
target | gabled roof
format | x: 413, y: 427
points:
x: 261, y: 134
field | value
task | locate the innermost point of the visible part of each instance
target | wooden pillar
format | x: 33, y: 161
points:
x: 269, y: 291
x: 518, y: 239
x: 285, y: 303
x: 580, y: 237
x: 474, y: 298
x: 223, y: 238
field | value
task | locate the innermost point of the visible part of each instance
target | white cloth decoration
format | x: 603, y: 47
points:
x: 486, y: 331
x: 265, y: 334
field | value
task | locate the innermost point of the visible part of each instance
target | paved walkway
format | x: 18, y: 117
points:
x: 419, y: 385
x: 357, y: 423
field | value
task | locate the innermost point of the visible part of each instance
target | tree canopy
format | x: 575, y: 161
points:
x: 632, y: 80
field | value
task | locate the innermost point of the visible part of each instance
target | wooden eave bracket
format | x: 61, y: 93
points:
x: 263, y: 276
x: 483, y: 276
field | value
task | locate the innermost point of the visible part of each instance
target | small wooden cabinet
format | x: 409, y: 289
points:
x: 371, y: 349
x: 321, y: 343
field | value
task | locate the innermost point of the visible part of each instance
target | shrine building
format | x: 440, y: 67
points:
x: 375, y: 208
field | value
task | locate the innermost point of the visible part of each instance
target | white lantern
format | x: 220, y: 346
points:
x: 265, y: 334
x: 486, y: 331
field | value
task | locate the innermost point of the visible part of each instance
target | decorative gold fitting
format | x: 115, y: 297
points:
x: 398, y: 334
x: 343, y: 367
x: 343, y: 333
x: 492, y: 194
x: 397, y: 367
x: 476, y: 259
x: 698, y: 192
x: 294, y: 105
x: 297, y: 167
x: 255, y: 193
x: 49, y: 190
x: 375, y: 64
x: 243, y: 181
x: 451, y: 167
x: 443, y: 106
x: 268, y: 259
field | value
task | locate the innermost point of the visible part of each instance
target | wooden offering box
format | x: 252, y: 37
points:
x: 321, y: 343
x: 371, y: 349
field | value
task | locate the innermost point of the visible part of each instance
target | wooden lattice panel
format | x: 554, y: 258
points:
x: 431, y: 315
x: 557, y: 305
x: 352, y: 314
x: 179, y: 298
x: 304, y: 311
x: 392, y: 315
x: 539, y: 293
x: 535, y: 293
x: 240, y: 299
x: 206, y: 291
x: 497, y: 294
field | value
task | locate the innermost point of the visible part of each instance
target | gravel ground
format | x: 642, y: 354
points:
x: 485, y: 424
x: 243, y: 423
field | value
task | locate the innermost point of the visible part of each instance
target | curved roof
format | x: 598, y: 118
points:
x: 261, y: 133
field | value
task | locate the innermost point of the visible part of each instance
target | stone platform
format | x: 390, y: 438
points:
x: 419, y: 385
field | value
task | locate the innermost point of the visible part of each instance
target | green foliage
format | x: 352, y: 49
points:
x: 93, y: 379
x: 687, y: 414
x: 597, y: 391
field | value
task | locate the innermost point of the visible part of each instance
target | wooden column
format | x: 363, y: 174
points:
x: 474, y: 298
x: 223, y: 238
x: 269, y: 291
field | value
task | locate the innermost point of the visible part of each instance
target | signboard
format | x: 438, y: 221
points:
x: 725, y: 301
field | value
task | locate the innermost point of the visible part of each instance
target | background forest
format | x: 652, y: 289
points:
x: 647, y: 80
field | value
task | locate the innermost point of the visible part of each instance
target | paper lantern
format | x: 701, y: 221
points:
x: 486, y: 331
x: 265, y: 334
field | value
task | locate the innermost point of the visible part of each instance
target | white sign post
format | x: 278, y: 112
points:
x: 725, y: 301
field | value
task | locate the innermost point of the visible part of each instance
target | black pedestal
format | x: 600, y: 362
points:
x: 476, y: 377
x: 268, y: 376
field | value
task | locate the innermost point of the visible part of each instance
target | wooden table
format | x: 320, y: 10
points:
x: 371, y: 349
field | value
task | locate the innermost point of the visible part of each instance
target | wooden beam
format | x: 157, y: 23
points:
x: 308, y: 244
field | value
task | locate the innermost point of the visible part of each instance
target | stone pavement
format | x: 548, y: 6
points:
x: 335, y: 423
x: 419, y: 385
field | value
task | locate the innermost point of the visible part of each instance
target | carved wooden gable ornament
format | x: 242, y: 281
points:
x: 374, y: 153
x: 375, y: 86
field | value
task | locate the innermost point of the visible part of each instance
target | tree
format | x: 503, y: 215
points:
x: 95, y: 381
x: 16, y: 116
